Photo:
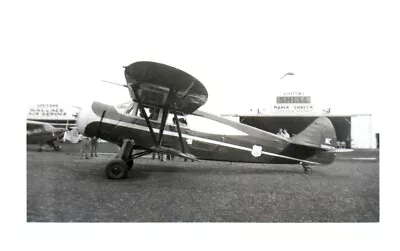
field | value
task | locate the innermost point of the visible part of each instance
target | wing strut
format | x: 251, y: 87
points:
x: 178, y: 127
x: 157, y: 143
x: 144, y: 114
x: 138, y: 155
x: 165, y: 115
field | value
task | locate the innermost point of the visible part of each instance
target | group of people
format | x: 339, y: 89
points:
x: 341, y: 144
x: 161, y: 156
x: 87, y: 143
x: 283, y: 133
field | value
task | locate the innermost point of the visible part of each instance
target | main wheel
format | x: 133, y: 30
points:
x: 117, y: 169
x: 57, y: 148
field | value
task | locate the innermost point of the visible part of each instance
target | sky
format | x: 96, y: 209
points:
x: 342, y: 52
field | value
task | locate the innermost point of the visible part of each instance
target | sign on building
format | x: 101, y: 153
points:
x: 50, y: 112
x: 292, y: 103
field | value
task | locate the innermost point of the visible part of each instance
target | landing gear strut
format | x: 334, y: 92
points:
x: 307, y: 168
x: 119, y: 167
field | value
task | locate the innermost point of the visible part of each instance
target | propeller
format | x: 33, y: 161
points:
x: 105, y: 81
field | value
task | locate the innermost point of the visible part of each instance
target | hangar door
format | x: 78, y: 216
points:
x: 295, y: 125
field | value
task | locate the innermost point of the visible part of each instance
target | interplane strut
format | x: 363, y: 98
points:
x: 178, y: 127
x: 134, y: 88
x: 168, y: 104
x: 170, y: 97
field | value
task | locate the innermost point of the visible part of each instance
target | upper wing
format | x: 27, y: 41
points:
x: 154, y: 81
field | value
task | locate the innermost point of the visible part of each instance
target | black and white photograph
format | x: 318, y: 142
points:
x: 196, y: 114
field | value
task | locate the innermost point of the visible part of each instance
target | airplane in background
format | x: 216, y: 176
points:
x: 163, y: 117
x: 42, y: 133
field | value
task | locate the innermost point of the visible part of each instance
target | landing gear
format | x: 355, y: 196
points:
x: 307, y: 168
x: 117, y: 169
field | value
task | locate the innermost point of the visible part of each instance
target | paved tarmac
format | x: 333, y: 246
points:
x: 61, y: 187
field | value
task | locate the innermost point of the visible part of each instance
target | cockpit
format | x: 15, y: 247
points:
x: 130, y: 108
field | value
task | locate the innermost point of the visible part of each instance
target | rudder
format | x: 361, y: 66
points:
x: 319, y: 134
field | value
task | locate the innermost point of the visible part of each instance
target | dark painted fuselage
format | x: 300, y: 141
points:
x: 206, y: 136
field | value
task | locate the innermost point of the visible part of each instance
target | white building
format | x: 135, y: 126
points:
x: 59, y: 115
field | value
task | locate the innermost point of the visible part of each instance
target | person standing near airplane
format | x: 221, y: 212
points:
x: 160, y: 156
x: 85, y: 147
x: 285, y: 134
x: 93, y: 144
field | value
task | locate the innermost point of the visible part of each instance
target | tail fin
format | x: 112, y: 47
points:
x: 314, y: 144
x: 319, y: 134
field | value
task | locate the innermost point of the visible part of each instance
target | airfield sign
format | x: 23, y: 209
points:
x: 50, y: 112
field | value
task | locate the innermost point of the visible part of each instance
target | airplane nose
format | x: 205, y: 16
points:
x: 84, y: 118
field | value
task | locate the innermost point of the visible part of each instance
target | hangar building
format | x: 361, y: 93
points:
x: 295, y: 110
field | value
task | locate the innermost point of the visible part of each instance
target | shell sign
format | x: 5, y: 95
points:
x: 293, y: 102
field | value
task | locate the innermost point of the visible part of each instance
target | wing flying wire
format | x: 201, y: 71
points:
x: 105, y: 81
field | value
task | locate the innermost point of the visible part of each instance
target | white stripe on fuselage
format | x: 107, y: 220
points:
x: 205, y: 140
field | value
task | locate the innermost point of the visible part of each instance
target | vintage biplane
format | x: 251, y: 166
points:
x: 42, y: 133
x: 163, y: 117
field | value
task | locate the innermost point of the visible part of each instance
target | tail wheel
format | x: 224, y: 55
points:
x: 307, y: 169
x: 117, y: 169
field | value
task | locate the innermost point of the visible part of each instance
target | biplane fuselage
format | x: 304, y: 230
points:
x: 206, y: 136
x: 163, y: 117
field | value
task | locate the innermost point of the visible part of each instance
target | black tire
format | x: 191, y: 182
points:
x: 57, y: 148
x: 117, y: 169
x: 307, y: 170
